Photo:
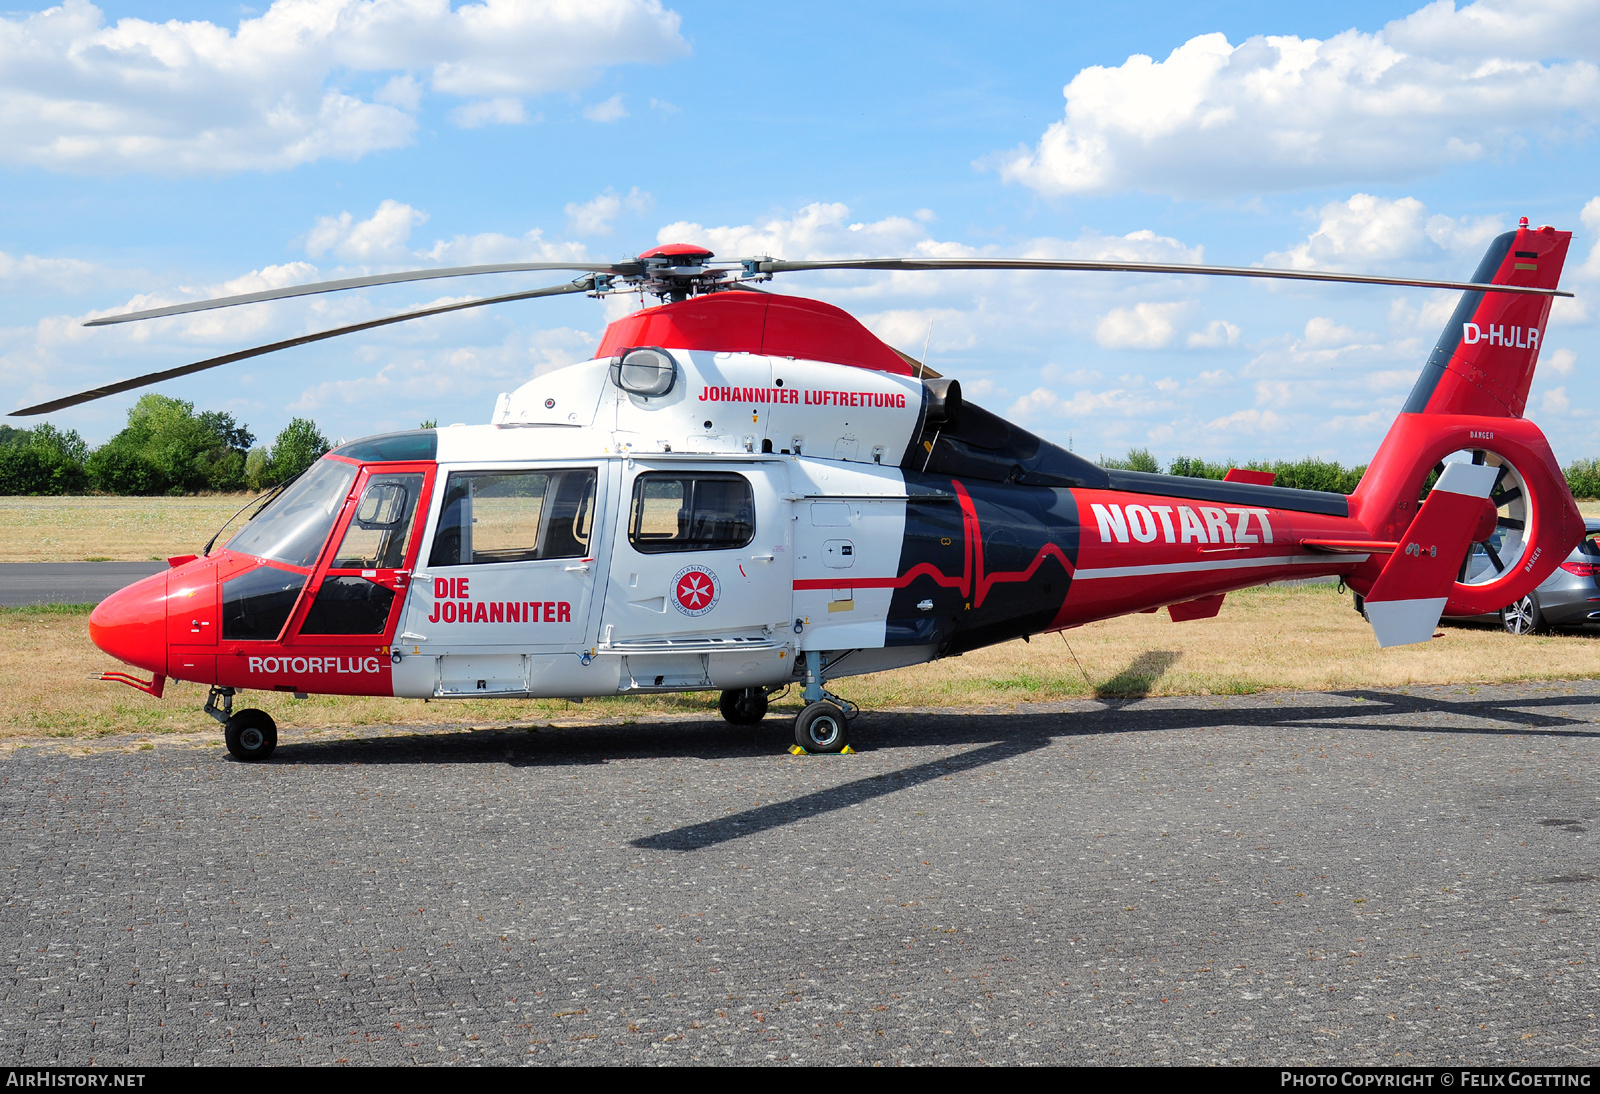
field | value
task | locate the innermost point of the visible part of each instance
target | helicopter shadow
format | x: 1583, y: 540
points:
x: 986, y: 738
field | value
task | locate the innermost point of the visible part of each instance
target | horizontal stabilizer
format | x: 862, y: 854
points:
x: 1350, y: 546
x: 1205, y: 607
x: 1406, y: 601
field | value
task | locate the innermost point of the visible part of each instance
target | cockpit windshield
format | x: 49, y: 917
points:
x: 294, y: 526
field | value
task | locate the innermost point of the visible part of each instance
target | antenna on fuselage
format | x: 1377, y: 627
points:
x: 923, y: 364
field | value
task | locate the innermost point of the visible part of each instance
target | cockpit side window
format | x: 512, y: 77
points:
x: 514, y: 516
x: 380, y: 528
x: 294, y: 526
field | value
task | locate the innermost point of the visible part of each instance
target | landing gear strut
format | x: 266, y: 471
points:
x: 250, y: 734
x: 824, y: 724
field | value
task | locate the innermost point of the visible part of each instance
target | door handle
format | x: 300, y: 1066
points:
x: 578, y: 569
x: 762, y: 558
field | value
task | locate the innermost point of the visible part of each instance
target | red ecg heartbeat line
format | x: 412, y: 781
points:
x: 973, y: 582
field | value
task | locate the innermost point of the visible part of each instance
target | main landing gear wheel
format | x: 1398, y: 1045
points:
x: 1522, y: 617
x: 744, y: 708
x: 251, y: 735
x: 822, y: 727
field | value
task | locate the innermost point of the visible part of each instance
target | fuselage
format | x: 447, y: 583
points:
x: 593, y: 541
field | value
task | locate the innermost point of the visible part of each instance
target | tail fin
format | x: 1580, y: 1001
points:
x: 1470, y: 397
x: 1484, y: 361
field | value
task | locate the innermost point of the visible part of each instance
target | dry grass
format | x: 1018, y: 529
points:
x: 1299, y: 638
x: 108, y: 528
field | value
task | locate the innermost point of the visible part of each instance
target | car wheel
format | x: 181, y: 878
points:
x: 1522, y: 617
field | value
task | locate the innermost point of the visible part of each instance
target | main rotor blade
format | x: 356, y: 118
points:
x: 314, y: 287
x: 581, y: 285
x: 779, y: 266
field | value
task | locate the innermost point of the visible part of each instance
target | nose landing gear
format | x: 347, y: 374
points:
x: 251, y: 734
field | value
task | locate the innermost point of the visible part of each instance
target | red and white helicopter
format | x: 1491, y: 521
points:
x: 742, y: 491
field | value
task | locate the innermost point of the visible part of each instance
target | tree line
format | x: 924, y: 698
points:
x: 1583, y: 476
x: 166, y: 448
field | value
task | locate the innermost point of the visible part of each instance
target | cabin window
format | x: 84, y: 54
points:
x: 691, y: 511
x: 514, y: 516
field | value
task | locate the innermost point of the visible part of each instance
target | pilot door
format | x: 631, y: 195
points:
x: 361, y: 585
x: 700, y: 551
x: 509, y: 578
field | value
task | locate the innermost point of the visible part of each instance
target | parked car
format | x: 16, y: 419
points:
x: 1569, y: 597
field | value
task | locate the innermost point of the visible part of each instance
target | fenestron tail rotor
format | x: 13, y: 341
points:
x: 1488, y: 559
x: 674, y: 271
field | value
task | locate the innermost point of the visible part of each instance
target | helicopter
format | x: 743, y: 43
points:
x: 743, y: 491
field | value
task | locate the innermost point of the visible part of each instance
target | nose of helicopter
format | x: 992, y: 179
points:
x: 131, y: 624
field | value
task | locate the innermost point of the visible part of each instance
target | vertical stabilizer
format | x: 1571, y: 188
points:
x: 1410, y: 594
x: 1485, y: 358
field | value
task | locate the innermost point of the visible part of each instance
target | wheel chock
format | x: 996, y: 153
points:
x: 796, y: 750
x: 847, y: 751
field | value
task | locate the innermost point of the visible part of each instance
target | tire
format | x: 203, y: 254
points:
x: 744, y: 708
x: 251, y: 735
x: 1522, y: 617
x: 821, y: 727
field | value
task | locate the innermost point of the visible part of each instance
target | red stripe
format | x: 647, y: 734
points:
x: 973, y: 548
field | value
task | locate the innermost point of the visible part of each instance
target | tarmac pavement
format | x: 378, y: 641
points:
x: 27, y: 583
x: 1365, y: 877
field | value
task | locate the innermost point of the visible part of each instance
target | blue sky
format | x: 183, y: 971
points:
x: 152, y: 152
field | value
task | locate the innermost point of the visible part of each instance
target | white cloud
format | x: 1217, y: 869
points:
x: 1281, y: 112
x: 381, y: 237
x: 193, y: 97
x: 1144, y: 326
x: 1555, y: 401
x: 819, y: 230
x: 1591, y: 220
x: 487, y: 247
x: 1368, y: 231
x: 1427, y: 316
x: 1248, y: 421
x: 482, y: 112
x: 1502, y: 28
x: 1215, y: 334
x: 611, y: 110
x: 942, y: 330
x: 1562, y: 360
x: 1323, y: 333
x: 31, y: 271
x: 594, y: 217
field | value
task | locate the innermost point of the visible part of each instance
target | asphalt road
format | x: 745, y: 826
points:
x: 26, y: 583
x: 1368, y: 877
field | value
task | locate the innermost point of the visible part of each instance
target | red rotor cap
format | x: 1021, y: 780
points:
x: 677, y: 250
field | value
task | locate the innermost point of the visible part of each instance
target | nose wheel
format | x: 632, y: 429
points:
x: 251, y: 735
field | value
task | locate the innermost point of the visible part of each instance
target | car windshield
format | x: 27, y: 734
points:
x: 293, y: 527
